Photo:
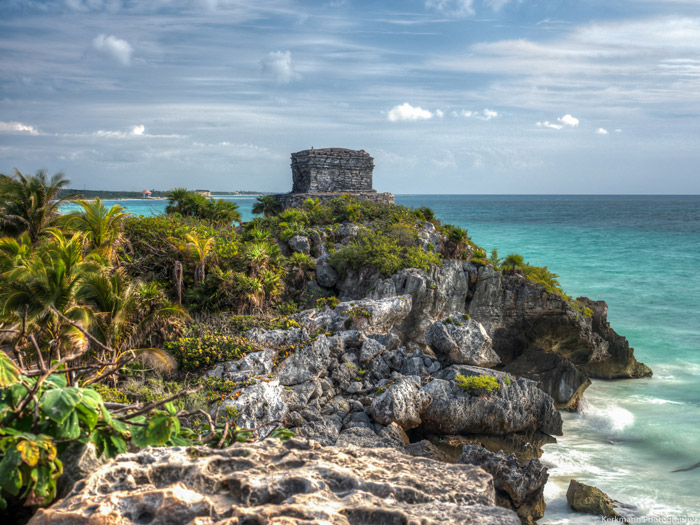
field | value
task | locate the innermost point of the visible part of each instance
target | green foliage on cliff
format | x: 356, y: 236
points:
x: 478, y: 385
x: 190, y: 204
x: 386, y: 252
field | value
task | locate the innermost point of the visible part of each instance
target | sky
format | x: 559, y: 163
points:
x: 448, y: 96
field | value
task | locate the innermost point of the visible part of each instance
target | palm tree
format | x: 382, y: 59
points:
x: 43, y: 285
x: 200, y: 250
x: 102, y: 227
x: 124, y: 315
x: 513, y: 261
x: 297, y: 266
x: 222, y: 212
x: 267, y: 205
x: 30, y: 203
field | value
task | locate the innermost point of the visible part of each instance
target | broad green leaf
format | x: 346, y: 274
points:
x: 70, y: 428
x: 9, y: 373
x: 59, y: 403
x: 170, y: 408
x: 10, y: 476
x: 17, y: 393
x: 29, y: 452
x: 45, y: 484
x: 114, y: 445
x: 57, y: 380
x: 91, y: 398
x: 159, y: 429
x: 109, y: 420
x: 88, y: 415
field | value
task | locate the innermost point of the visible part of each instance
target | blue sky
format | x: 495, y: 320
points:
x: 449, y: 96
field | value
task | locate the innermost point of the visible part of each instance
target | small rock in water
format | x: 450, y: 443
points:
x: 591, y: 500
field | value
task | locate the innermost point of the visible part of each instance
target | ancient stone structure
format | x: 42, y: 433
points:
x: 327, y: 173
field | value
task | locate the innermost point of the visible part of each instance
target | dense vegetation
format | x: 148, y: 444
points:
x: 105, y: 318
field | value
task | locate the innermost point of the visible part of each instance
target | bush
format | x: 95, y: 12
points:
x: 194, y: 353
x: 386, y: 252
x: 478, y: 385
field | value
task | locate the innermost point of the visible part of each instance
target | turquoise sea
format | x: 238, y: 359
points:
x: 641, y: 254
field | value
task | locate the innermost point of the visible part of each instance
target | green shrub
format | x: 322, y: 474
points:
x: 194, y: 353
x: 386, y: 252
x: 478, y: 385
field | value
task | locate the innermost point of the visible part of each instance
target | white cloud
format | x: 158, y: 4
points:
x: 601, y: 131
x: 568, y: 120
x: 407, y: 112
x: 114, y: 48
x: 618, y: 130
x: 439, y: 113
x: 17, y: 127
x: 467, y: 113
x: 547, y: 124
x: 138, y: 130
x: 456, y: 8
x: 488, y: 114
x: 278, y: 65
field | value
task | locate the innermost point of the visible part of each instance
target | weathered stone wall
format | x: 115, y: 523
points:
x: 295, y: 200
x: 331, y: 170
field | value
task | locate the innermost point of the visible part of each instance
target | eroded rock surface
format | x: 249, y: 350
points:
x: 270, y: 482
x: 519, y: 486
x: 461, y: 341
x: 591, y: 500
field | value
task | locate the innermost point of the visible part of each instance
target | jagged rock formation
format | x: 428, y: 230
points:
x: 519, y: 486
x: 327, y: 173
x: 270, y: 482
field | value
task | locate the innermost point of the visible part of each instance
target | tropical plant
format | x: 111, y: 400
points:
x: 495, y: 260
x: 103, y: 228
x: 200, y: 250
x: 124, y: 315
x: 30, y: 203
x: 267, y: 205
x: 513, y: 261
x: 38, y: 293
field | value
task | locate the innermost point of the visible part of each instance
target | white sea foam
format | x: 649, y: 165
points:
x: 610, y: 419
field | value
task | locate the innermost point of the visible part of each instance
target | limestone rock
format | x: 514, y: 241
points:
x: 518, y: 486
x: 518, y: 407
x: 554, y: 373
x: 300, y: 244
x: 462, y: 341
x: 371, y: 316
x: 402, y: 403
x: 271, y: 482
x: 308, y: 363
x: 591, y: 500
x: 260, y: 403
x: 326, y: 275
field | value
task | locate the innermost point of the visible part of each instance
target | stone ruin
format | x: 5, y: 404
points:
x: 330, y: 172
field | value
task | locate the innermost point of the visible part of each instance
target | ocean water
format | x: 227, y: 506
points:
x: 641, y: 254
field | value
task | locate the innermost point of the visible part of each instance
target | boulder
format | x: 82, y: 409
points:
x: 591, y: 500
x: 308, y: 363
x: 518, y: 407
x: 401, y: 403
x: 371, y: 316
x: 326, y: 275
x: 260, y: 403
x: 300, y: 244
x: 463, y: 341
x: 518, y: 486
x: 554, y: 373
x: 295, y: 482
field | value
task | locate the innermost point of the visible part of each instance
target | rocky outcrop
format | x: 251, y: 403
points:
x: 271, y: 482
x: 402, y: 403
x: 461, y: 341
x: 591, y: 500
x: 553, y: 373
x: 300, y: 244
x: 520, y: 316
x: 519, y: 486
x: 518, y: 407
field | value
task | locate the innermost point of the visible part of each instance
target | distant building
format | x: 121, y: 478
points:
x: 330, y: 172
x: 204, y: 193
x: 146, y: 194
